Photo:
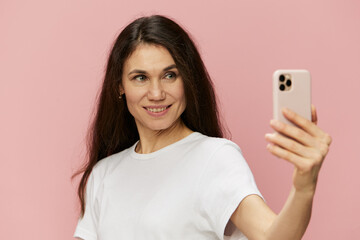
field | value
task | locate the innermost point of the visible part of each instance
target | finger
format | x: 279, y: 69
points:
x: 314, y: 118
x: 293, y: 132
x: 286, y: 155
x: 289, y: 144
x: 304, y: 123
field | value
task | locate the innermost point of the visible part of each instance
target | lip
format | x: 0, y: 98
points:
x: 157, y: 114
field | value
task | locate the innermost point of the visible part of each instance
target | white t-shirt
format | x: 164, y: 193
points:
x: 187, y: 190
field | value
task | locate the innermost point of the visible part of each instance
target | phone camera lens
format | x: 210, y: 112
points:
x: 288, y: 83
x: 282, y: 78
x: 282, y: 87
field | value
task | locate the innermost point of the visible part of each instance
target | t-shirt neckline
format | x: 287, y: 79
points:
x: 143, y: 156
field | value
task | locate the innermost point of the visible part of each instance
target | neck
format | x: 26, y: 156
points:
x: 155, y: 140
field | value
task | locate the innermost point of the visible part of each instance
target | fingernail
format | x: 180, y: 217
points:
x: 286, y: 110
x: 268, y: 135
x: 274, y: 123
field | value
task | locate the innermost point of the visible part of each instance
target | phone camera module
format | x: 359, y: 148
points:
x: 288, y: 83
x: 282, y: 87
x: 282, y: 78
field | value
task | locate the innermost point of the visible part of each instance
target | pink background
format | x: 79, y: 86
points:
x: 52, y: 58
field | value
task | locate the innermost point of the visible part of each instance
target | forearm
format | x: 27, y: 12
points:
x: 293, y: 219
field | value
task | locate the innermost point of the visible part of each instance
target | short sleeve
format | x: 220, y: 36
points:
x: 86, y: 227
x: 226, y: 181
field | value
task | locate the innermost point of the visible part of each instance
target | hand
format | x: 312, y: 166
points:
x: 304, y: 145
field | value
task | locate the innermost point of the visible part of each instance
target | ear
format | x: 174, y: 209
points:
x: 121, y: 90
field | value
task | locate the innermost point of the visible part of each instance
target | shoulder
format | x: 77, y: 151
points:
x: 107, y: 165
x: 213, y: 151
x: 214, y: 144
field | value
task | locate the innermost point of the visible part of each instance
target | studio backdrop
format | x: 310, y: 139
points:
x: 52, y: 61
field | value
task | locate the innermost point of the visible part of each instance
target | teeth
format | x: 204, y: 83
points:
x: 156, y: 109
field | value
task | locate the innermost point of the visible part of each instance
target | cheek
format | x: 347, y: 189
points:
x: 181, y: 94
x: 133, y: 99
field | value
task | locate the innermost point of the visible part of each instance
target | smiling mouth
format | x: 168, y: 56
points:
x: 157, y: 110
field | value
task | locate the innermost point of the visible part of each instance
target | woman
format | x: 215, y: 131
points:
x: 158, y: 166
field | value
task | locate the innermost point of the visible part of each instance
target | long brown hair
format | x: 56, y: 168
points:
x: 113, y: 128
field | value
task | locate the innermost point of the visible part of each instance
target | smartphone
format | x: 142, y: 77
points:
x: 291, y: 89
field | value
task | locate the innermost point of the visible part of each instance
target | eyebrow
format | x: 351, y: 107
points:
x: 143, y: 72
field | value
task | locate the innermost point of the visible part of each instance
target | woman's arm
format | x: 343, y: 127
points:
x: 305, y: 146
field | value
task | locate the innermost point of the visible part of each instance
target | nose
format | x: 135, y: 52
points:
x: 156, y: 91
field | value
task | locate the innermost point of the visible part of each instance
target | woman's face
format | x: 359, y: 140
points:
x: 153, y: 88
